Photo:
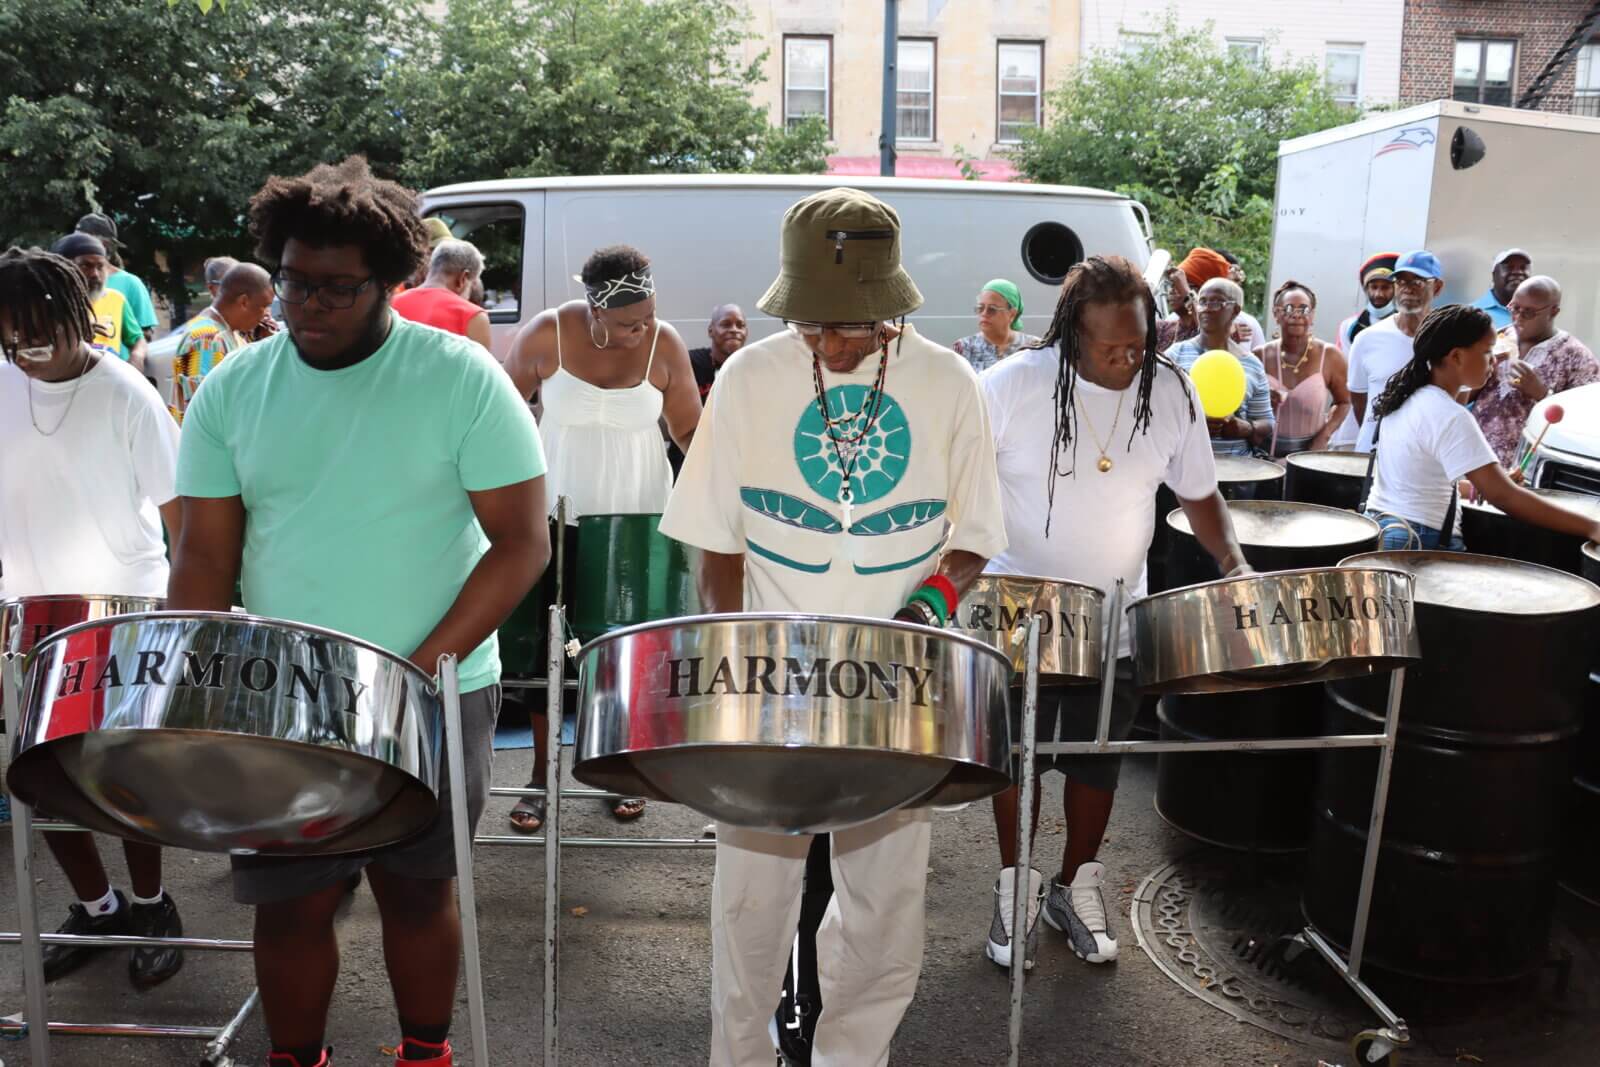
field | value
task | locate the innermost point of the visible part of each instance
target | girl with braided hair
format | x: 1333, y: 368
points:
x: 1087, y: 426
x: 88, y: 456
x: 1427, y: 441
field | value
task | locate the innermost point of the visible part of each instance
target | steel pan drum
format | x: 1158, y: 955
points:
x: 1491, y: 532
x: 228, y: 733
x: 1580, y: 872
x: 997, y: 608
x: 1474, y: 831
x: 1332, y: 479
x: 793, y: 723
x: 26, y: 621
x: 1238, y: 478
x: 1283, y: 628
x: 629, y: 572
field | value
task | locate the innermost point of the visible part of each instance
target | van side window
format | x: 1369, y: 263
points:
x: 497, y: 230
x: 1049, y: 250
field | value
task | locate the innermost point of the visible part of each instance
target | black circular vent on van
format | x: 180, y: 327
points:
x: 1049, y: 250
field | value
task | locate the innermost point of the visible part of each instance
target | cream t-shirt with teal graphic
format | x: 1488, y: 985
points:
x: 762, y: 477
x: 355, y: 481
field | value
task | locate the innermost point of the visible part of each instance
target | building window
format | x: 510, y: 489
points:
x: 1021, y: 82
x: 1485, y: 71
x: 808, y: 80
x: 1342, y: 72
x: 1131, y: 43
x: 1251, y: 50
x: 915, y: 79
x: 1586, y: 83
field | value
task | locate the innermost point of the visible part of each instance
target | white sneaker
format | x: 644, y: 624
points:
x: 1079, y: 911
x: 998, y: 947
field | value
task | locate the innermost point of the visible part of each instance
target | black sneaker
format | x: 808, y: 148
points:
x: 150, y: 965
x: 62, y: 960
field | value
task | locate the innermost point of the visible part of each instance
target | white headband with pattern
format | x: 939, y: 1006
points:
x: 620, y: 292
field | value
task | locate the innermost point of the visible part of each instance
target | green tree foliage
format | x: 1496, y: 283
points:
x: 550, y: 87
x: 1187, y: 129
x: 169, y: 116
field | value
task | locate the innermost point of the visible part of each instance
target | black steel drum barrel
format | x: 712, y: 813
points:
x: 1474, y: 828
x: 1580, y: 871
x: 1332, y: 479
x: 1238, y: 478
x: 1248, y: 800
x: 1489, y: 531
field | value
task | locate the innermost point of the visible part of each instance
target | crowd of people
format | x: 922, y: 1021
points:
x: 375, y: 436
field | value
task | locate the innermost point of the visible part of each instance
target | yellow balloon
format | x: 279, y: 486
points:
x: 1219, y: 379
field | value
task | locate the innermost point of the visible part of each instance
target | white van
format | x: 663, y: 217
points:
x: 713, y: 239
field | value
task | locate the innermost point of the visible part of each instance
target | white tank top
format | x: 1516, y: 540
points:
x: 604, y: 446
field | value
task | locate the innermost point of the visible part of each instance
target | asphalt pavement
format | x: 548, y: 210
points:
x: 635, y: 959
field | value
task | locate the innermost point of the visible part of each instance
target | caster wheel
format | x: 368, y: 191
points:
x: 1375, y: 1048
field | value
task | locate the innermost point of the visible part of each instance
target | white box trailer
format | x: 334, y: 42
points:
x: 713, y: 239
x: 1461, y: 180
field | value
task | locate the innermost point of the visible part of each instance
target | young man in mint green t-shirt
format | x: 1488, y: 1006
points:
x: 378, y: 477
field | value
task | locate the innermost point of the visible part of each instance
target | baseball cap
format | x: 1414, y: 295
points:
x: 100, y: 226
x: 1507, y: 254
x: 74, y: 245
x: 1422, y: 263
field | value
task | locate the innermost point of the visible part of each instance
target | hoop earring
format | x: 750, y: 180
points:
x: 593, y: 318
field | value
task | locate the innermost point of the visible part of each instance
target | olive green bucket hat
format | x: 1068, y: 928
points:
x: 840, y: 262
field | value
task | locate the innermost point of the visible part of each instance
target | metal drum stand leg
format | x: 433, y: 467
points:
x: 450, y: 683
x: 1022, y: 873
x: 552, y: 833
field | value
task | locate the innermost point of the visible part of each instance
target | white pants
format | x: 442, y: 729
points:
x: 869, y: 947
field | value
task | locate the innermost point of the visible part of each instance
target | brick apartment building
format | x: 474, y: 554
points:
x: 1490, y: 52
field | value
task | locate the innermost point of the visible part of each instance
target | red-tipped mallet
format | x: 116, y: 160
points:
x: 1552, y: 415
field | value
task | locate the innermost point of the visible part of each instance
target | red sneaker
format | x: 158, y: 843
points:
x: 432, y: 1055
x: 283, y: 1059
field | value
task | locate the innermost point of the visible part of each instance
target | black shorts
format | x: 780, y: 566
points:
x: 429, y: 855
x: 1071, y: 713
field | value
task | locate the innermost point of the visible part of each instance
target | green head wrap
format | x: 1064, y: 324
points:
x: 1010, y: 292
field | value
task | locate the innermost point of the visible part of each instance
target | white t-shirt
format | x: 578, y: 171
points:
x: 1258, y: 336
x: 1426, y: 447
x: 762, y: 479
x: 78, y: 507
x: 1377, y: 355
x: 1102, y: 523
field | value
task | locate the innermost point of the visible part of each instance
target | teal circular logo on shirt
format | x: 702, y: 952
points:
x: 881, y: 457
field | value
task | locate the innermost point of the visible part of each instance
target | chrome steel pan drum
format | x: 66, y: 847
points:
x: 228, y: 733
x: 792, y: 723
x: 1282, y: 628
x: 26, y: 621
x: 1332, y: 479
x: 996, y: 610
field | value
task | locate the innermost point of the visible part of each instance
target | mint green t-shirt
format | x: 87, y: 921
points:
x: 133, y: 288
x: 355, y: 481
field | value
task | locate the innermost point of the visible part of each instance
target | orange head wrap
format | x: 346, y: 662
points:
x: 1201, y: 265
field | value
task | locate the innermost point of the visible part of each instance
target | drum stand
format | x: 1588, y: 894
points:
x: 1374, y: 1045
x: 32, y: 941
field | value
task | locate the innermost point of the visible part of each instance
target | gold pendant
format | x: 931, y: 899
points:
x: 1104, y: 464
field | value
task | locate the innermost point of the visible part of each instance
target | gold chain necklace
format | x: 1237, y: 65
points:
x: 77, y: 384
x: 1104, y: 463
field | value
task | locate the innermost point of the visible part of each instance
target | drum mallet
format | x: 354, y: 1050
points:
x: 1552, y: 415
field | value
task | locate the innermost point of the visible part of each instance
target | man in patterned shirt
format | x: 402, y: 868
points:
x: 243, y: 300
x: 1547, y: 360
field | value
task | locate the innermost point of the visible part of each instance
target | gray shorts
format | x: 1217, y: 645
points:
x: 1076, y: 710
x: 429, y: 855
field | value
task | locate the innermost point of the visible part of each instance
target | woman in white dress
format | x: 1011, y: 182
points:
x: 606, y: 374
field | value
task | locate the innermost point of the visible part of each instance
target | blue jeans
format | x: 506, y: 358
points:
x: 1397, y: 534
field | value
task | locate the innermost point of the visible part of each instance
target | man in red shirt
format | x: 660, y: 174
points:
x: 441, y: 299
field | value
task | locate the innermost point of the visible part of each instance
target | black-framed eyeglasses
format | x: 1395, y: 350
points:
x: 331, y: 296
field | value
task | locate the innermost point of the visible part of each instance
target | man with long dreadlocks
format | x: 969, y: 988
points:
x: 844, y: 467
x: 87, y: 461
x: 1086, y: 428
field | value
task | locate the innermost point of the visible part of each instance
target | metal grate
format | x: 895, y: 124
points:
x: 1569, y: 477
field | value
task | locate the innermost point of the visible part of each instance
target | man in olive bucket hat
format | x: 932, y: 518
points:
x: 843, y: 466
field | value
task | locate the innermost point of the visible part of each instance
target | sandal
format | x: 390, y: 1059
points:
x: 627, y: 809
x: 527, y: 816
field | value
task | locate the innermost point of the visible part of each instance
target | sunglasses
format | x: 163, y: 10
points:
x: 851, y: 331
x: 991, y: 309
x: 17, y: 352
x: 1292, y: 311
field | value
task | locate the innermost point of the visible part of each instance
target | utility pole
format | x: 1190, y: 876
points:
x: 891, y: 49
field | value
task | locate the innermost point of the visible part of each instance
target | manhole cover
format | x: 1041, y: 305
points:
x: 1218, y: 922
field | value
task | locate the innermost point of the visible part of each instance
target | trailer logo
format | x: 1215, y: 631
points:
x: 1412, y: 138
